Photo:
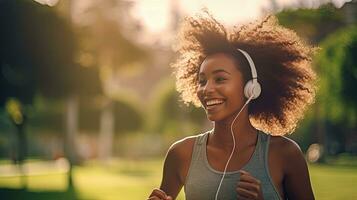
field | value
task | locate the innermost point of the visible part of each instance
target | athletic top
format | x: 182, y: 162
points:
x: 202, y: 180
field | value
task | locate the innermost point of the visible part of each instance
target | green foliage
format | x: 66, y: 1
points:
x: 47, y: 120
x: 15, y: 110
x: 333, y: 117
x: 336, y: 66
x: 35, y: 57
x: 170, y: 115
x: 128, y: 117
x: 349, y: 72
x: 5, y: 122
x: 103, y: 36
x: 303, y: 135
x: 46, y: 115
x: 313, y: 24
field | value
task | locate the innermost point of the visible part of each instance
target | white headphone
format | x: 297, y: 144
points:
x: 252, y: 88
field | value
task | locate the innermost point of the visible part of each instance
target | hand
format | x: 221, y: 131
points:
x: 158, y: 194
x: 248, y: 187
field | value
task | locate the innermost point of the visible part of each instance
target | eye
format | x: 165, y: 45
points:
x: 202, y: 82
x: 220, y: 79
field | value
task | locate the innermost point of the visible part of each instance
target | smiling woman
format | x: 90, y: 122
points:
x: 282, y: 62
x: 255, y: 83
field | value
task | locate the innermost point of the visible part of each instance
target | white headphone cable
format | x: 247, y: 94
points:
x: 234, y: 146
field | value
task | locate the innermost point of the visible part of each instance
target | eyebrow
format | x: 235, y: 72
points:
x: 217, y: 71
x: 220, y: 70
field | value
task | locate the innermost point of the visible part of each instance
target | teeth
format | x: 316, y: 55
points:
x: 213, y: 102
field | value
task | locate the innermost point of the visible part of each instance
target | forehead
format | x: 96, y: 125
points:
x: 218, y: 61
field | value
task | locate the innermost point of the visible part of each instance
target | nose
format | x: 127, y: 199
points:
x: 208, y: 88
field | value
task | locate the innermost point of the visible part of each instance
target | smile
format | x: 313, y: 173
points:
x: 213, y: 103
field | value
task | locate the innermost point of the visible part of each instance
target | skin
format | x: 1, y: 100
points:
x: 220, y: 78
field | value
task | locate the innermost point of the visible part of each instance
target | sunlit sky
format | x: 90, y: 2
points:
x: 155, y: 15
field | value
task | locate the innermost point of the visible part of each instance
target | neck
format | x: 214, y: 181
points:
x: 242, y: 130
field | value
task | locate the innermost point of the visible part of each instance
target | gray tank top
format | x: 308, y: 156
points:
x: 202, y: 180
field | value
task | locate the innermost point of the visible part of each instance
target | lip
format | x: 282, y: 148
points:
x: 215, y: 106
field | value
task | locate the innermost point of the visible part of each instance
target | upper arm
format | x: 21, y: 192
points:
x: 296, y: 181
x: 174, y: 166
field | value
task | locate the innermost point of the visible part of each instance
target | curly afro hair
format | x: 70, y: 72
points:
x: 282, y: 59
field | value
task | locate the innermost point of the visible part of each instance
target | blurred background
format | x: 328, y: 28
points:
x: 88, y: 106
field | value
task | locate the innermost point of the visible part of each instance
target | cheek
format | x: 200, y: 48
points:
x: 199, y: 95
x: 234, y: 92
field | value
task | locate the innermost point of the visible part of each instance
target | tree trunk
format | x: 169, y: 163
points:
x: 106, y: 131
x: 21, y: 152
x: 321, y: 133
x: 71, y: 119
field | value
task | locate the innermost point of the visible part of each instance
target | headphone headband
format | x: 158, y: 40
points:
x: 252, y: 88
x: 251, y: 64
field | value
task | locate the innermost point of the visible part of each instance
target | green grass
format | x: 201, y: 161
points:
x: 129, y: 179
x: 122, y: 179
x: 334, y: 182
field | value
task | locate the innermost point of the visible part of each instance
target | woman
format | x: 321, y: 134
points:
x: 254, y: 82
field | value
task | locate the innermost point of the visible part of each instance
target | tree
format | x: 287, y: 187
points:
x: 337, y: 66
x: 315, y: 25
x: 37, y: 49
x: 102, y: 42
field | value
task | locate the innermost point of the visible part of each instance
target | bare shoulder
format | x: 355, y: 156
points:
x: 181, y: 149
x: 287, y: 150
x: 178, y: 158
x: 293, y: 167
x: 284, y: 145
x: 289, y: 165
x: 176, y: 165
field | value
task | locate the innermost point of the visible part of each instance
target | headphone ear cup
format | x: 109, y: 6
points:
x: 252, y: 90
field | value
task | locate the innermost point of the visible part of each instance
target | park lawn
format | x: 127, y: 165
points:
x: 334, y: 182
x: 129, y: 179
x: 120, y: 179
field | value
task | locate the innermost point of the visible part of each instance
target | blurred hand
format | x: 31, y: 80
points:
x: 248, y: 187
x: 158, y: 194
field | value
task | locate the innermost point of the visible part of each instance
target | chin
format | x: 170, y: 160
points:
x: 217, y: 117
x: 214, y: 117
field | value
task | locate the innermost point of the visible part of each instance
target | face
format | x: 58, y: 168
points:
x: 220, y: 87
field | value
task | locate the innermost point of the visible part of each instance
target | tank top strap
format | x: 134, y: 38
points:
x: 264, y: 139
x: 198, y: 147
x: 262, y: 148
x: 196, y: 157
x: 201, y: 138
